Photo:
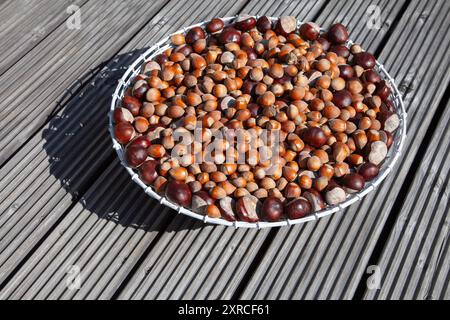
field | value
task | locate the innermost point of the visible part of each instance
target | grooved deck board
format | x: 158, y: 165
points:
x: 27, y: 23
x: 91, y: 129
x: 37, y: 84
x: 327, y: 258
x: 415, y: 263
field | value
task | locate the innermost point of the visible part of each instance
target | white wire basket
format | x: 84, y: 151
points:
x: 387, y: 166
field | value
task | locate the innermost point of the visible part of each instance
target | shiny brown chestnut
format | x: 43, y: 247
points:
x: 245, y: 23
x: 315, y: 199
x: 383, y: 90
x: 215, y: 25
x: 368, y: 171
x: 342, y: 98
x: 263, y: 24
x: 338, y: 34
x: 341, y: 51
x: 353, y: 182
x: 314, y: 137
x: 179, y: 192
x: 200, y: 200
x: 135, y: 155
x: 227, y: 207
x: 195, y: 34
x: 132, y: 104
x: 371, y: 76
x: 124, y: 132
x: 298, y: 208
x: 325, y: 43
x: 309, y: 31
x: 122, y: 115
x: 346, y: 71
x: 272, y: 209
x: 230, y: 35
x: 141, y: 141
x: 286, y: 25
x: 246, y: 208
x: 365, y: 60
x: 148, y: 171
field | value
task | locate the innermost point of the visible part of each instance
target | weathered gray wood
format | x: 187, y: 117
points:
x: 37, y: 84
x: 26, y: 23
x: 415, y: 261
x: 327, y: 259
x: 93, y: 134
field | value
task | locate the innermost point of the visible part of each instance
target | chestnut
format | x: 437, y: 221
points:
x: 200, y: 200
x: 353, y: 182
x: 325, y: 43
x: 383, y: 90
x: 338, y: 34
x: 309, y: 31
x: 315, y: 199
x: 179, y: 192
x: 215, y: 25
x: 124, y: 132
x: 132, y: 104
x: 141, y: 141
x: 341, y: 51
x: 389, y: 121
x: 314, y: 137
x: 298, y: 208
x: 122, y: 115
x: 272, y: 209
x: 342, y: 98
x: 230, y: 35
x: 195, y: 34
x: 346, y: 71
x: 371, y: 76
x: 286, y: 25
x: 377, y: 152
x: 245, y: 23
x: 365, y: 60
x: 368, y: 171
x: 227, y: 208
x: 246, y: 208
x: 148, y: 172
x: 263, y: 24
x: 135, y: 155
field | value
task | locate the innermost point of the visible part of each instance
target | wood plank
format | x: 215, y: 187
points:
x: 37, y: 84
x: 415, y: 262
x: 327, y: 259
x: 27, y: 23
x: 95, y: 143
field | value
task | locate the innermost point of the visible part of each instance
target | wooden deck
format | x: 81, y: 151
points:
x: 65, y: 200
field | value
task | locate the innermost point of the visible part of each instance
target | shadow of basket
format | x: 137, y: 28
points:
x: 80, y: 153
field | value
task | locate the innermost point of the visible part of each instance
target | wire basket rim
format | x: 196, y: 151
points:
x: 394, y: 152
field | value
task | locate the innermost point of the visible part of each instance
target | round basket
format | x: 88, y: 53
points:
x: 387, y: 166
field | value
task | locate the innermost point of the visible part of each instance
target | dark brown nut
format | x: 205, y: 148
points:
x: 338, y: 34
x: 195, y: 186
x: 346, y: 71
x: 141, y: 141
x: 365, y: 60
x: 335, y: 195
x: 389, y: 121
x: 325, y: 43
x: 179, y: 192
x: 263, y: 24
x: 377, y: 152
x: 387, y: 138
x: 383, y: 90
x: 195, y: 34
x: 122, y: 115
x: 341, y: 51
x: 227, y: 208
x: 135, y: 155
x: 124, y: 132
x: 246, y: 208
x: 272, y: 209
x: 342, y: 98
x: 309, y: 31
x: 371, y: 76
x: 132, y: 104
x: 286, y: 25
x: 245, y: 23
x: 298, y: 208
x: 184, y: 49
x: 353, y: 182
x: 215, y: 25
x: 160, y: 184
x: 315, y: 199
x: 230, y: 35
x: 148, y: 172
x: 368, y: 171
x: 140, y: 88
x: 200, y: 200
x: 314, y: 137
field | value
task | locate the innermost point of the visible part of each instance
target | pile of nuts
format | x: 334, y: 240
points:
x: 326, y: 112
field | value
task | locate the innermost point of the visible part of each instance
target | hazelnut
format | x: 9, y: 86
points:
x: 212, y: 211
